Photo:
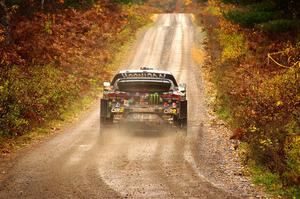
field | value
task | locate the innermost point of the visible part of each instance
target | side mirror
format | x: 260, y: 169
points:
x: 182, y: 88
x: 106, y: 86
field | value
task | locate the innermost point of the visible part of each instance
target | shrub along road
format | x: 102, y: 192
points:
x: 81, y: 163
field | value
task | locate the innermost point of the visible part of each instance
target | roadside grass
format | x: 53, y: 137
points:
x: 68, y: 116
x: 271, y: 181
x: 224, y: 113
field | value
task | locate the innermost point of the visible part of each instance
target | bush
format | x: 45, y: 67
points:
x: 273, y: 125
x: 292, y: 151
x: 78, y: 4
x: 263, y: 6
x: 243, y: 2
x: 37, y: 94
x: 233, y: 45
x: 280, y: 25
x: 250, y: 19
x: 129, y: 1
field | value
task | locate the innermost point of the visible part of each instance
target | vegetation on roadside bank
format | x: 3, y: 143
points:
x: 56, y: 55
x: 255, y: 62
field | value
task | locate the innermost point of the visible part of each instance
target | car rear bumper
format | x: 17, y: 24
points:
x: 145, y: 121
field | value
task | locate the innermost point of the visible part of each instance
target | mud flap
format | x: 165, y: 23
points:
x: 182, y: 117
x: 104, y: 108
x: 105, y: 114
x: 183, y: 109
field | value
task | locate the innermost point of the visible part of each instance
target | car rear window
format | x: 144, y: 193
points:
x: 144, y: 86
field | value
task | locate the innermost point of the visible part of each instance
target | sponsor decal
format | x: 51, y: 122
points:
x: 117, y: 110
x: 126, y: 102
x: 170, y: 111
x: 154, y: 98
x: 144, y: 75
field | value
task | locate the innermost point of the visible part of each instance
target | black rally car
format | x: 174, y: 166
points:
x: 144, y: 98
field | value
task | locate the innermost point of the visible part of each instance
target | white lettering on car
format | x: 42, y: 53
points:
x: 144, y: 75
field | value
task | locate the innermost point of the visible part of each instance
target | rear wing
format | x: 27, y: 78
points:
x: 144, y: 75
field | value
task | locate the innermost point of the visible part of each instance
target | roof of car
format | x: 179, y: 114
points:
x: 145, y: 70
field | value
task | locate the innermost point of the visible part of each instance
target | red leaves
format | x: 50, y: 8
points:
x: 238, y: 134
x: 70, y: 30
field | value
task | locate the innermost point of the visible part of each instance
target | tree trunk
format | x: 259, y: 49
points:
x: 4, y: 23
x: 42, y: 4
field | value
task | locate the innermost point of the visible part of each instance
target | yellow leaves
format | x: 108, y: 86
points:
x: 187, y: 2
x: 154, y: 17
x: 265, y: 142
x: 2, y: 37
x: 98, y: 8
x: 279, y: 103
x: 198, y: 55
x: 213, y: 10
x: 253, y: 128
x: 233, y: 45
x: 48, y: 27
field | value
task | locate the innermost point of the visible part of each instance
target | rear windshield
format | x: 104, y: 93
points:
x: 144, y: 86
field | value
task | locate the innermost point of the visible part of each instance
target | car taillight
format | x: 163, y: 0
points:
x: 174, y: 104
x: 170, y: 96
x: 118, y: 95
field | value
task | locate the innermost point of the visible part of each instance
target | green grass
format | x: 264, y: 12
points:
x: 272, y: 182
x: 224, y: 113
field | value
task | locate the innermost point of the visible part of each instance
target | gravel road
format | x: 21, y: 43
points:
x: 81, y: 163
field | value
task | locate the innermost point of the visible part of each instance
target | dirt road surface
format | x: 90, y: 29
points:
x: 80, y: 163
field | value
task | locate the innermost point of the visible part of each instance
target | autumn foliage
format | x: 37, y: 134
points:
x: 57, y: 55
x: 257, y: 75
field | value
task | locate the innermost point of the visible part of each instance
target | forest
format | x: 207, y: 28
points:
x: 54, y: 52
x: 254, y: 49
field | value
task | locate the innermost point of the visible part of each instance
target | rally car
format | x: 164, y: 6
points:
x: 144, y: 98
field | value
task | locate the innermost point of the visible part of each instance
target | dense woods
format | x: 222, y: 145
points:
x: 255, y: 65
x: 55, y: 52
